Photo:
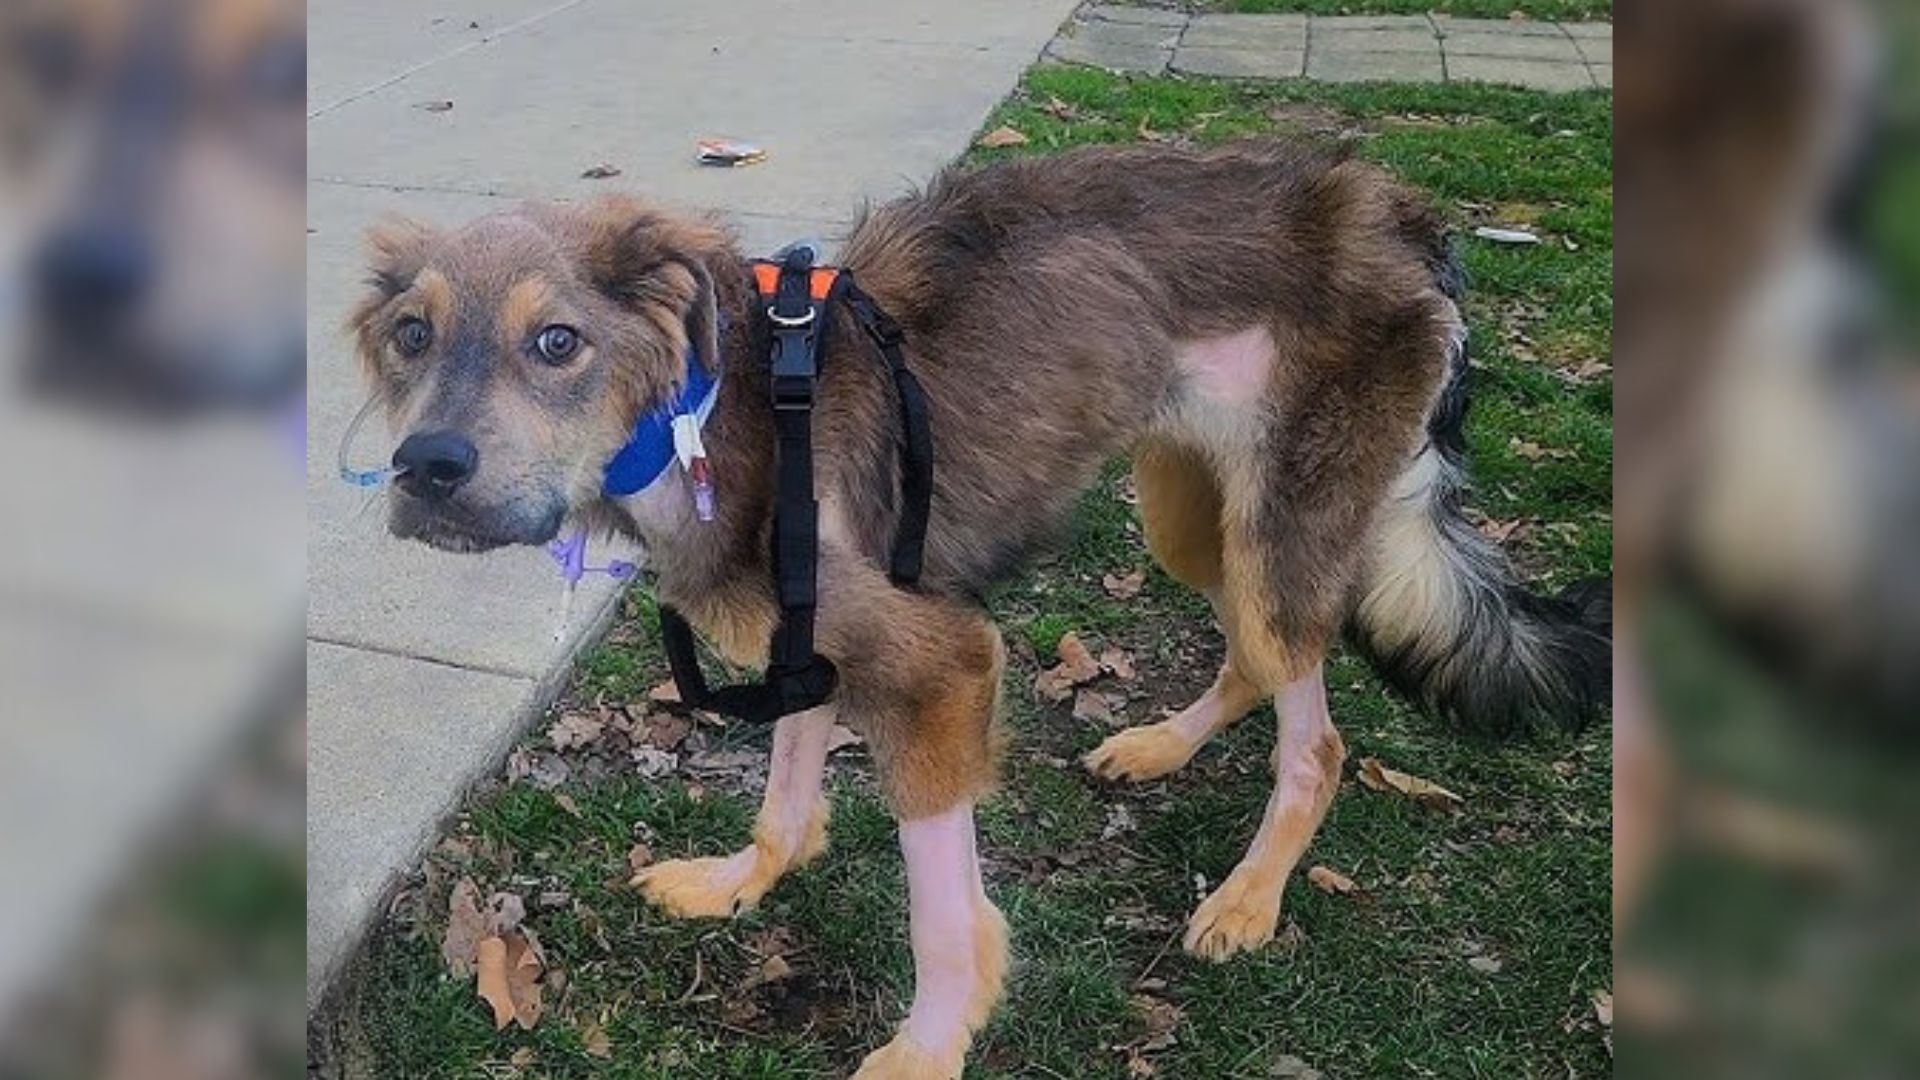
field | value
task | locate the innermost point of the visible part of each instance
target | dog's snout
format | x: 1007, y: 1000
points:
x: 90, y: 272
x: 434, y: 464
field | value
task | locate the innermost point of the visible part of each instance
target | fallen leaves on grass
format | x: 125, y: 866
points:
x: 1292, y: 1068
x: 565, y: 802
x: 1096, y: 705
x: 1485, y: 965
x: 1329, y: 880
x: 466, y: 925
x: 1119, y: 662
x: 652, y: 764
x: 574, y: 730
x: 663, y: 730
x: 1076, y: 666
x: 1004, y: 135
x: 1060, y: 110
x: 510, y: 967
x: 1124, y: 586
x: 523, y: 1057
x: 1379, y: 777
x: 666, y: 693
x: 1603, y: 1007
x: 593, y: 1039
x: 1120, y: 821
x: 1533, y: 451
x: 542, y: 770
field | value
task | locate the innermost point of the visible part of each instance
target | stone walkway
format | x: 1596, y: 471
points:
x: 1356, y: 48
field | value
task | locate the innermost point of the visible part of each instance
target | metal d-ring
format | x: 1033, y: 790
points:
x: 780, y: 320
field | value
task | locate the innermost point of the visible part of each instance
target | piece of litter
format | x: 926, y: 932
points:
x: 730, y: 153
x: 600, y: 172
x: 436, y: 106
x: 1505, y: 236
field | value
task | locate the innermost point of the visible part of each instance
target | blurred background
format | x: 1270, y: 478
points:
x: 151, y: 561
x: 1767, y: 491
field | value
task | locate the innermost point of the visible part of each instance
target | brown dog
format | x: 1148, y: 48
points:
x: 1270, y: 330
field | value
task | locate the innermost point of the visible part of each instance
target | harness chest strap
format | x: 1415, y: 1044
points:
x: 798, y: 298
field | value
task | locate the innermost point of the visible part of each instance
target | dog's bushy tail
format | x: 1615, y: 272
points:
x: 1446, y: 621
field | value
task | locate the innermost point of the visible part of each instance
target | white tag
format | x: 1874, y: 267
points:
x: 686, y: 439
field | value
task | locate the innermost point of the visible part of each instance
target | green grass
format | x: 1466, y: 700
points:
x: 1374, y: 984
x: 1566, y: 10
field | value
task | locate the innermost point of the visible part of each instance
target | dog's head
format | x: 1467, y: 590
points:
x: 153, y: 155
x: 513, y: 356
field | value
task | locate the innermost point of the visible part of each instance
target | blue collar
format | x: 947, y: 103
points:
x: 649, y: 453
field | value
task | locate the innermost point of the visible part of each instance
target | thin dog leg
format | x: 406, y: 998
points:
x: 790, y: 831
x: 959, y: 951
x: 1153, y: 750
x: 1243, y: 912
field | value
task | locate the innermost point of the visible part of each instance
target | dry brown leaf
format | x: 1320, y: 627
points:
x: 1076, y: 666
x: 505, y: 911
x: 1004, y: 135
x: 1060, y: 110
x: 1329, y: 880
x: 1603, y: 1007
x: 466, y: 925
x: 1124, y: 586
x: 1118, y: 661
x: 1501, y: 532
x: 667, y: 693
x: 575, y: 730
x: 510, y: 968
x: 523, y: 1057
x: 1485, y: 965
x: 1094, y: 705
x: 1380, y: 778
x: 1146, y: 133
x: 566, y: 803
x: 664, y: 730
x: 1533, y: 451
x: 593, y: 1039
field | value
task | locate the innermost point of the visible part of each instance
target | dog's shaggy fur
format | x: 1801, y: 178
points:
x: 1271, y: 330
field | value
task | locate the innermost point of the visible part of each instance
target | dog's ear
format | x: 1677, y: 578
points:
x: 655, y: 265
x: 396, y: 253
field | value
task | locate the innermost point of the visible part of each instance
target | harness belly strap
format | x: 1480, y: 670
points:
x: 797, y: 297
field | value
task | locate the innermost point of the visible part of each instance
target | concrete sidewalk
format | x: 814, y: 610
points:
x: 1341, y: 48
x: 422, y: 667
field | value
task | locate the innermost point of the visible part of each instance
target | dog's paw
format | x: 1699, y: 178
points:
x: 707, y: 888
x: 1140, y: 753
x: 1240, y: 915
x: 905, y: 1059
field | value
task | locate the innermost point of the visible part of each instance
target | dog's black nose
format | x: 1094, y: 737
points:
x: 91, y: 272
x: 434, y: 464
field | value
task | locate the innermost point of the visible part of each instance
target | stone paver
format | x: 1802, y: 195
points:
x: 1329, y: 65
x: 1538, y: 74
x: 1542, y: 55
x: 1240, y: 63
x: 424, y: 666
x: 1117, y: 46
x: 1281, y: 32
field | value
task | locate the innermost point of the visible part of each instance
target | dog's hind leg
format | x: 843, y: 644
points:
x: 791, y: 830
x: 1180, y: 508
x: 1243, y: 912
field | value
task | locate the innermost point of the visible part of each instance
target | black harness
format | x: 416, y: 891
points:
x: 798, y: 299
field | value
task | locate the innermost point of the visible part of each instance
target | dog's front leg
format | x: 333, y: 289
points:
x: 959, y: 951
x: 789, y: 832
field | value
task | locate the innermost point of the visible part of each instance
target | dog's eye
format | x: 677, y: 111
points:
x: 557, y: 344
x: 413, y: 336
